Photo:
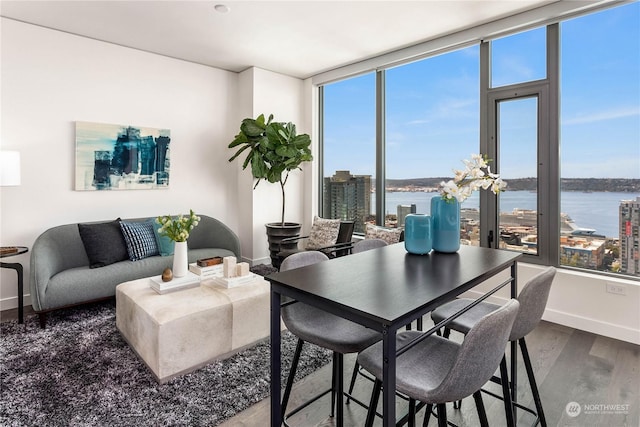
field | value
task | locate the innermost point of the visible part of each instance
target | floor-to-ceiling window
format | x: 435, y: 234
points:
x: 600, y: 130
x: 560, y: 118
x: 349, y: 149
x: 432, y: 115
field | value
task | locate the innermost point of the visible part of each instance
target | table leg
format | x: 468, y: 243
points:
x: 388, y: 377
x: 18, y: 268
x: 276, y: 357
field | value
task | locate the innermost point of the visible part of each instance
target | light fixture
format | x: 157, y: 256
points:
x: 222, y: 8
x: 9, y: 168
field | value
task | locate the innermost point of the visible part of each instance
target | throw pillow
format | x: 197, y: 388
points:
x: 389, y: 235
x: 165, y: 244
x: 140, y: 239
x: 324, y: 232
x: 103, y: 243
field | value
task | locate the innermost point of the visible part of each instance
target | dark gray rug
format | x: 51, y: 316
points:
x: 80, y: 372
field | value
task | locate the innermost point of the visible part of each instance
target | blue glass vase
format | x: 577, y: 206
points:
x: 445, y: 218
x: 417, y: 234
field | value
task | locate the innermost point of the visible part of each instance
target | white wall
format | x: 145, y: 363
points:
x: 52, y: 79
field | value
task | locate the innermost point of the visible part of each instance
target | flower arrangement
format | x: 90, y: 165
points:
x: 177, y: 229
x: 476, y: 175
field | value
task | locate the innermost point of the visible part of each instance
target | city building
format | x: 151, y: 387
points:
x: 630, y: 236
x: 403, y: 211
x: 347, y: 197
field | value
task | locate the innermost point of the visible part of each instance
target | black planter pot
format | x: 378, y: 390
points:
x: 275, y: 233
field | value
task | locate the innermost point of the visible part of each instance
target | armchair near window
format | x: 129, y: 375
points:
x: 329, y: 236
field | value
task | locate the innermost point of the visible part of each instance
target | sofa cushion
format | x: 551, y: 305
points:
x: 103, y: 243
x: 324, y: 232
x: 165, y: 244
x: 389, y: 235
x: 140, y: 239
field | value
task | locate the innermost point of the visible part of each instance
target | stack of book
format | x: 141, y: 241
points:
x: 206, y: 272
x: 232, y: 282
x: 191, y: 280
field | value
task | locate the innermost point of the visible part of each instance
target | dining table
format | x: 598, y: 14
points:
x: 386, y: 289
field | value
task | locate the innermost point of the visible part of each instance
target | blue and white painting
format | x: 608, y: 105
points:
x: 117, y: 157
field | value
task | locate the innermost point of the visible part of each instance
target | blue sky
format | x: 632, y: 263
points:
x: 432, y: 106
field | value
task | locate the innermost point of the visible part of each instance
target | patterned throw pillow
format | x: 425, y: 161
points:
x: 324, y: 232
x: 140, y: 239
x: 389, y: 235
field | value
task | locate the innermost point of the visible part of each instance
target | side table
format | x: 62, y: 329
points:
x: 7, y: 251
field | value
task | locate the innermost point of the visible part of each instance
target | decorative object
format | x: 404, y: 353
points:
x: 126, y: 393
x: 167, y: 275
x: 417, y: 234
x: 9, y: 168
x: 445, y: 224
x: 229, y: 266
x: 178, y: 229
x: 161, y: 286
x: 445, y: 210
x: 275, y: 149
x: 121, y: 157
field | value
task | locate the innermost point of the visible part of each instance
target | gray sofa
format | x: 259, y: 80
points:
x: 61, y: 277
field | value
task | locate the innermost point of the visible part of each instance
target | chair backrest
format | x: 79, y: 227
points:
x: 533, y: 300
x: 345, y: 234
x: 302, y: 259
x: 367, y: 244
x: 479, y: 355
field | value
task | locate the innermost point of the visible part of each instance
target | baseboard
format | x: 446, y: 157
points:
x: 594, y: 326
x: 12, y: 302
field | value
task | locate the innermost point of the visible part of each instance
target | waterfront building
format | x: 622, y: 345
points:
x: 584, y: 252
x: 347, y: 197
x: 629, y: 215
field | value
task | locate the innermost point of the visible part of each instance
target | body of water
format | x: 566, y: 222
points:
x: 598, y: 211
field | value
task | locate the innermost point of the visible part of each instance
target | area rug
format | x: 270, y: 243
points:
x: 80, y: 372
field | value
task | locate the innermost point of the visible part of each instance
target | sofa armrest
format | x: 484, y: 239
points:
x: 212, y: 233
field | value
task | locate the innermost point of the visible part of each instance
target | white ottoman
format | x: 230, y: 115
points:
x: 184, y: 330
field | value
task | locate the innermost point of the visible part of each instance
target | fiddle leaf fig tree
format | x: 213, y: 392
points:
x: 275, y: 149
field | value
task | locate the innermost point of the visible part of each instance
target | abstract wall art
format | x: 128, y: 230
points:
x: 121, y: 157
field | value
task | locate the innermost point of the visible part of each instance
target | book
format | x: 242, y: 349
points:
x: 232, y: 282
x: 191, y: 280
x: 211, y: 271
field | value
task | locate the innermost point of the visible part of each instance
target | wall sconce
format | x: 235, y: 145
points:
x: 9, y: 168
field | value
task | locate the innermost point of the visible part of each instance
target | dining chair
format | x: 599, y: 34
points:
x: 367, y: 244
x: 533, y: 300
x: 434, y: 370
x: 310, y: 324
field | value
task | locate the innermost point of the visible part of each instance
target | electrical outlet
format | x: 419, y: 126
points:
x: 616, y: 288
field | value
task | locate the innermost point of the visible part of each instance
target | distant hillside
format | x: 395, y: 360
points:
x: 529, y: 184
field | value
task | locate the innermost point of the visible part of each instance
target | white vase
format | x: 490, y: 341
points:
x: 180, y: 260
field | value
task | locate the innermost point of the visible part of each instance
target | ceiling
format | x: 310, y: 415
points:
x: 296, y: 38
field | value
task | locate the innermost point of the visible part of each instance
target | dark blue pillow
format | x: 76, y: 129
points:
x: 140, y: 239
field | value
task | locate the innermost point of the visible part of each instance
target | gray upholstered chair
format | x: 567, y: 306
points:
x: 367, y: 244
x: 533, y: 300
x: 323, y: 329
x: 435, y: 370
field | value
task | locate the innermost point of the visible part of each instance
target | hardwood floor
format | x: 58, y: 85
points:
x: 601, y: 375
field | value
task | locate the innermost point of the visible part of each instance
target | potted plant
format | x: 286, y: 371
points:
x: 274, y: 150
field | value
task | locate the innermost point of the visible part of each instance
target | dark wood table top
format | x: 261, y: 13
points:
x: 388, y: 286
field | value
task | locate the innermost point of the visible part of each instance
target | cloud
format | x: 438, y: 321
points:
x: 600, y: 116
x: 449, y: 109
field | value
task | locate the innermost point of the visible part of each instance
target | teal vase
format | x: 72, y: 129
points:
x: 417, y: 234
x: 445, y: 218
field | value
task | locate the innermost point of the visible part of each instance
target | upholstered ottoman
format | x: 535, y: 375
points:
x: 181, y: 331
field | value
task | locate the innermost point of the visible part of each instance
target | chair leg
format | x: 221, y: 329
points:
x: 506, y: 391
x: 532, y: 382
x: 427, y: 415
x: 292, y: 374
x: 412, y: 412
x: 340, y: 389
x: 352, y: 384
x: 373, y: 404
x: 482, y: 414
x: 334, y: 375
x: 442, y: 415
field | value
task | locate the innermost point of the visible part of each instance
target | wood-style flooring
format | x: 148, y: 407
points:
x: 601, y: 375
